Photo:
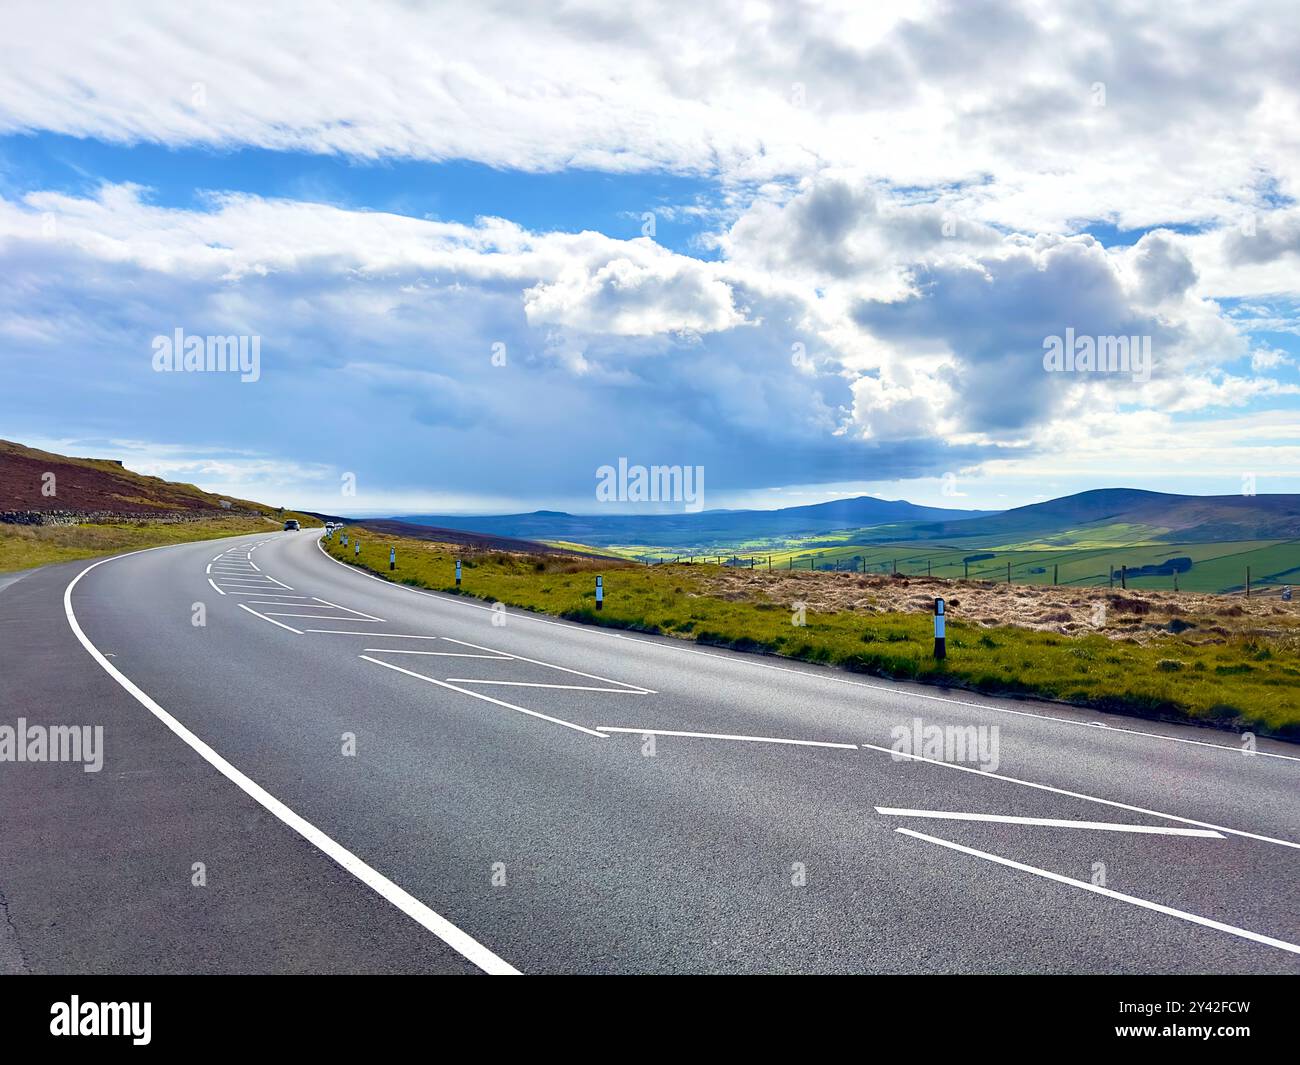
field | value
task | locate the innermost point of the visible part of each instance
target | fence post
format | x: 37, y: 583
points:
x: 1055, y: 570
x: 940, y: 641
x: 1008, y: 572
x: 966, y: 569
x: 1123, y: 576
x: 1247, y: 582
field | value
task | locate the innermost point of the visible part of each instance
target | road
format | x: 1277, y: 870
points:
x: 365, y: 777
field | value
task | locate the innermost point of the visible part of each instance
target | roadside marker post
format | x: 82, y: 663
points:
x: 345, y: 539
x: 600, y: 593
x: 357, y: 552
x: 392, y: 558
x: 457, y: 573
x: 940, y: 637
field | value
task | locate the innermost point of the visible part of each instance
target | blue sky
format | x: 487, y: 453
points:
x: 815, y: 250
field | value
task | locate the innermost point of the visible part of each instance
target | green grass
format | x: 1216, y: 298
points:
x: 1241, y: 683
x: 28, y: 546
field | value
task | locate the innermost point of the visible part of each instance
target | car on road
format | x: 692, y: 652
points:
x: 292, y: 525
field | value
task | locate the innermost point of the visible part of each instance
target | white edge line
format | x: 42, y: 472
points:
x: 488, y: 698
x: 725, y: 736
x: 1052, y: 822
x: 459, y: 941
x: 271, y: 620
x: 1244, y: 933
x: 1077, y: 795
x: 218, y: 590
x: 740, y: 659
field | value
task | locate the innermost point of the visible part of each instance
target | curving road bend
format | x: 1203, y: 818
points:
x: 378, y: 779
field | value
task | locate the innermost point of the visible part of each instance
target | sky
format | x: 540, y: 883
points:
x: 816, y: 250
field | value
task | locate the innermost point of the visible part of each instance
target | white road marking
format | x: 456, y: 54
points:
x: 565, y: 687
x: 388, y: 635
x: 488, y: 698
x: 271, y: 620
x: 1075, y: 794
x: 278, y: 595
x: 606, y: 633
x: 461, y: 942
x: 726, y: 736
x: 218, y: 590
x: 439, y: 654
x: 280, y: 583
x: 1256, y: 937
x: 1052, y: 822
x: 336, y: 606
x: 319, y: 617
x: 552, y: 665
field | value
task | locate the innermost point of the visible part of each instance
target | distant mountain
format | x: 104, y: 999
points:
x: 703, y: 530
x: 1150, y: 515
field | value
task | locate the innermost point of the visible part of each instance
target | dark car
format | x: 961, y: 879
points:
x: 292, y: 525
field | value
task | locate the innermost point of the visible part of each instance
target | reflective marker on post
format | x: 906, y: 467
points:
x: 940, y: 648
x: 457, y: 573
x: 600, y: 593
x: 392, y: 558
x: 357, y: 552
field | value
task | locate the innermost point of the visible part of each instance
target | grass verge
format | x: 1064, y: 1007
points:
x: 28, y: 546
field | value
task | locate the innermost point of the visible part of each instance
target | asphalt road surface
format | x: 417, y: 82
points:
x: 307, y: 769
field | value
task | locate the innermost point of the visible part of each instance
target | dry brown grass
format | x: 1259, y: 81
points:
x: 1128, y: 615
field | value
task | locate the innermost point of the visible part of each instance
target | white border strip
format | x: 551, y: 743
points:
x: 461, y: 942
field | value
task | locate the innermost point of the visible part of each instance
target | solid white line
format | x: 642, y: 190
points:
x: 488, y: 698
x: 336, y: 606
x: 209, y: 569
x: 552, y: 665
x: 565, y: 687
x: 280, y: 583
x: 736, y: 659
x: 439, y: 654
x: 254, y: 565
x: 461, y: 942
x: 218, y: 590
x: 896, y: 755
x: 1052, y: 822
x: 1256, y: 937
x: 388, y: 635
x: 271, y: 620
x: 725, y: 736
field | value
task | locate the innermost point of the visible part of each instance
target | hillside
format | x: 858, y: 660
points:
x: 56, y: 508
x: 102, y: 487
x: 1134, y: 514
x: 701, y: 531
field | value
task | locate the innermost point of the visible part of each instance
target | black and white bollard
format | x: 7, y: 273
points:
x: 392, y: 558
x: 357, y: 552
x: 940, y: 644
x: 345, y: 539
x: 600, y: 593
x: 457, y: 573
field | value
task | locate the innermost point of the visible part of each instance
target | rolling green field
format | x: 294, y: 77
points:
x: 1216, y: 567
x: 1240, y: 681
